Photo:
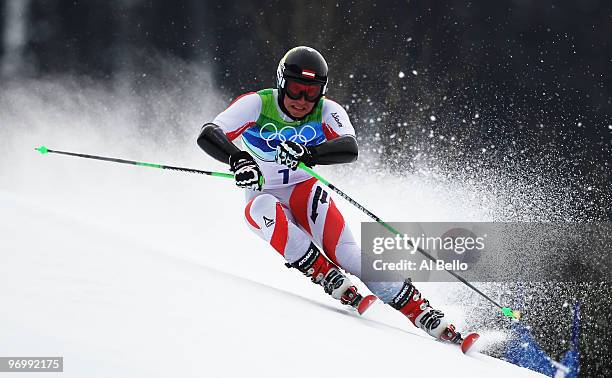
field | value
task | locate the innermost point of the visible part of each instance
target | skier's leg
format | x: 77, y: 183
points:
x: 269, y: 219
x: 316, y: 212
x: 273, y: 222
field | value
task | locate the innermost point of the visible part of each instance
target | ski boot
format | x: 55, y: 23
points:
x: 323, y: 272
x: 416, y: 308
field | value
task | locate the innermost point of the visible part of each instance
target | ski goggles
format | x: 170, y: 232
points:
x: 296, y: 90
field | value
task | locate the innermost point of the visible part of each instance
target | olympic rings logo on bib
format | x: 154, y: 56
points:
x: 287, y: 133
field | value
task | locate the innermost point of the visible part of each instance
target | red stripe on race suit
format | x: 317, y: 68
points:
x: 236, y: 133
x: 329, y: 132
x: 238, y: 98
x: 334, y: 224
x: 247, y: 214
x: 298, y: 202
x: 281, y: 230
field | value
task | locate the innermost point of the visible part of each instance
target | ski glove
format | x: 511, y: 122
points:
x: 246, y: 171
x: 292, y: 154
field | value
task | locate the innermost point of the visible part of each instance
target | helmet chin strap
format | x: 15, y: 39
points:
x: 281, y: 105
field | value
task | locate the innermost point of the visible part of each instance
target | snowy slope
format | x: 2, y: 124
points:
x: 114, y: 305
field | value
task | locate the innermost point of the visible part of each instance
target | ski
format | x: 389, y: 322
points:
x: 468, y: 341
x: 365, y: 303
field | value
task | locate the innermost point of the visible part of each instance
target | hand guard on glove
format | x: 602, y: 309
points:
x: 246, y: 171
x: 292, y: 154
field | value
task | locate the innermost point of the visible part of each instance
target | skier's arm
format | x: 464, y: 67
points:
x: 341, y: 145
x: 342, y: 149
x: 215, y: 143
x: 216, y: 136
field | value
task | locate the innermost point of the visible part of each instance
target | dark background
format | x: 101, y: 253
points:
x: 485, y: 84
x: 507, y: 81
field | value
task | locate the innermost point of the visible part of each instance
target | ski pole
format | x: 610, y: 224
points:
x: 44, y: 150
x: 507, y: 311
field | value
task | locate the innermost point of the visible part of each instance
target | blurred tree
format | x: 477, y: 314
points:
x: 14, y: 26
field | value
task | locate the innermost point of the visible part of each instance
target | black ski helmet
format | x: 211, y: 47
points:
x: 303, y: 64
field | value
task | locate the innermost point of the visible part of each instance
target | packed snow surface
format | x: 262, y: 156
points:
x: 113, y: 305
x: 131, y: 271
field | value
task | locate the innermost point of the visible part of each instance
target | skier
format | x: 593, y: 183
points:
x: 288, y: 208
